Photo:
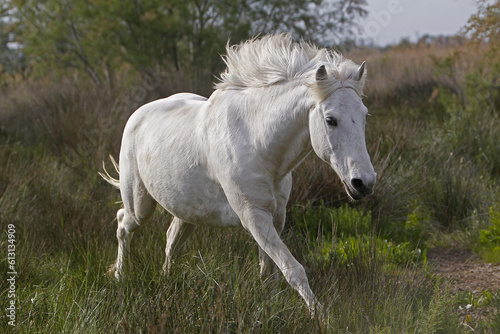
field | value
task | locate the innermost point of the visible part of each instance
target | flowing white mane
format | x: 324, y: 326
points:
x: 277, y: 58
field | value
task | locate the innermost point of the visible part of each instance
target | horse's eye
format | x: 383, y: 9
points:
x: 331, y: 121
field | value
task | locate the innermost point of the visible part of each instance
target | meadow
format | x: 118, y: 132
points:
x: 434, y: 142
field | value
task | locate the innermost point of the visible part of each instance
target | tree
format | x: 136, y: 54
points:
x: 484, y: 27
x: 10, y: 58
x: 321, y: 21
x: 99, y: 37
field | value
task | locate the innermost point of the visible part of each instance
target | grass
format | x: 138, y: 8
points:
x: 436, y: 156
x: 215, y: 287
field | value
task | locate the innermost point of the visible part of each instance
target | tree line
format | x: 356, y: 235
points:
x: 101, y: 37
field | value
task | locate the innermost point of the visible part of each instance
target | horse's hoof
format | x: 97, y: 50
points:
x: 317, y: 312
x: 112, y: 273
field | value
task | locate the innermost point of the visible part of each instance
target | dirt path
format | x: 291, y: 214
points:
x: 465, y: 270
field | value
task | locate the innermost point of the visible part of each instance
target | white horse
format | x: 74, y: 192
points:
x: 227, y: 160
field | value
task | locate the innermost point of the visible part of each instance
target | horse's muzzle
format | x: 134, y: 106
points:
x: 359, y: 188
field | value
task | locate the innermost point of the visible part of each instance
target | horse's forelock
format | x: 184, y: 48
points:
x: 340, y: 75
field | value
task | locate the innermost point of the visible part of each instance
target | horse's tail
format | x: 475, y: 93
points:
x: 108, y: 178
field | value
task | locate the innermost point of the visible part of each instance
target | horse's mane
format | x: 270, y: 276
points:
x: 277, y: 58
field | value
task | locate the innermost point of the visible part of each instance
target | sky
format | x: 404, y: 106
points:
x: 389, y: 21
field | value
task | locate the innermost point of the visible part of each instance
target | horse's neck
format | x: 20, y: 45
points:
x: 283, y: 114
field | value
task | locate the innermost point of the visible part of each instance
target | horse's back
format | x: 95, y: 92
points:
x: 162, y: 109
x: 160, y: 118
x: 160, y: 128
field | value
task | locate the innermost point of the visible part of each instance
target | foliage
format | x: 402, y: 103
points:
x: 484, y: 27
x: 468, y: 299
x: 101, y: 37
x: 489, y: 239
x: 10, y: 59
x: 476, y: 102
x: 415, y: 229
x: 485, y: 303
x: 352, y: 249
x: 345, y: 235
x: 325, y: 22
x: 491, y: 235
x: 324, y: 222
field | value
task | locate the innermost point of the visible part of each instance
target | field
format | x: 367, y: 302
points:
x: 434, y: 142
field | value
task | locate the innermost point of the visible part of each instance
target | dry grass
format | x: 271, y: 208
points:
x: 410, y: 69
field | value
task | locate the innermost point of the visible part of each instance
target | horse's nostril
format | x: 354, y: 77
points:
x: 358, y: 185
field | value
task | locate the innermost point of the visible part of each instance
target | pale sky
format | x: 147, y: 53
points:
x: 391, y: 20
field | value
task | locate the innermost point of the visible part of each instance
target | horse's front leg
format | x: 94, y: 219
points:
x: 259, y: 223
x: 268, y: 269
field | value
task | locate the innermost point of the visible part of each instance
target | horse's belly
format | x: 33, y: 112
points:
x: 203, y: 204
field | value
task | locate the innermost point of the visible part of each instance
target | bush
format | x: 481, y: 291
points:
x: 368, y: 248
x: 324, y: 223
x: 345, y: 235
x: 489, y: 239
x: 491, y: 236
x: 415, y: 229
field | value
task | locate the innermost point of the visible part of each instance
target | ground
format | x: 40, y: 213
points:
x: 465, y: 270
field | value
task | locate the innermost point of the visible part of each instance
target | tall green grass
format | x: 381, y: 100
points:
x: 215, y: 287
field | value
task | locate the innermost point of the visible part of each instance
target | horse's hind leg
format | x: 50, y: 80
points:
x: 138, y: 208
x: 126, y: 227
x: 177, y: 234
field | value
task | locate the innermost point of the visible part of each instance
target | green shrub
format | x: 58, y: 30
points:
x: 491, y: 235
x: 414, y: 229
x: 369, y: 248
x: 489, y: 239
x: 324, y: 222
x: 345, y: 235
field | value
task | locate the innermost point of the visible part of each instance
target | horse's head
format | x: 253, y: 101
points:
x: 337, y: 129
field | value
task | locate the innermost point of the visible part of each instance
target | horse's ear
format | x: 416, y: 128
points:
x: 321, y: 73
x: 360, y: 72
